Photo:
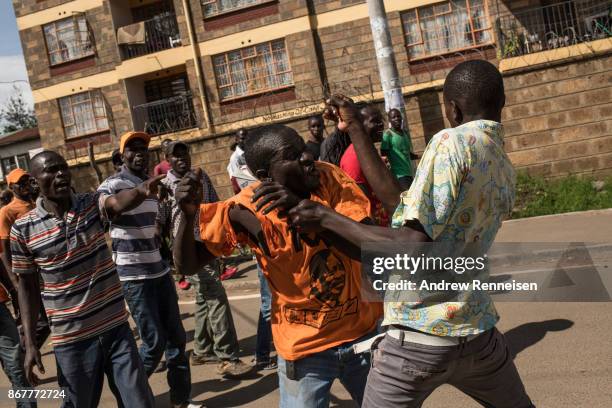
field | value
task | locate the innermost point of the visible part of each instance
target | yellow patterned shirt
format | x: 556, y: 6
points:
x: 463, y: 189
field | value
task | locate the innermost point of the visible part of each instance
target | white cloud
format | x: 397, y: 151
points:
x: 13, y: 68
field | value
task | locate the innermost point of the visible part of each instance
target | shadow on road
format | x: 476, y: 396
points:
x: 528, y: 334
x: 235, y: 397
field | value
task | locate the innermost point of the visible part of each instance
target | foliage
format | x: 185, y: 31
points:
x: 15, y: 114
x: 538, y: 196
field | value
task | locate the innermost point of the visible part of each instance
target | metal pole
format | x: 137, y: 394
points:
x: 387, y: 67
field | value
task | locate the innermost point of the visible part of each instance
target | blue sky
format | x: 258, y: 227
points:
x: 12, y: 65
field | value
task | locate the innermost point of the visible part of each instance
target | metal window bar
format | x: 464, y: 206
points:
x: 557, y: 25
x: 68, y: 42
x: 253, y: 70
x: 446, y: 28
x: 84, y: 113
x: 213, y: 8
x: 161, y: 33
x: 166, y: 115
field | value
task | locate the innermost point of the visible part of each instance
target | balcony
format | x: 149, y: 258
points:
x: 166, y: 115
x: 554, y: 26
x: 145, y: 37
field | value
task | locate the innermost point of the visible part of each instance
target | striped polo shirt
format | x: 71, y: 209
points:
x: 81, y: 290
x: 134, y: 233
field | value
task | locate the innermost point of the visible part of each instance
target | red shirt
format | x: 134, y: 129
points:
x: 351, y: 166
x: 162, y: 168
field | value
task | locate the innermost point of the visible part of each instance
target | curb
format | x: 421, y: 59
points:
x: 607, y: 211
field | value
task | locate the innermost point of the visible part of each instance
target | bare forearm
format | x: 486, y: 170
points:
x: 124, y: 201
x: 386, y: 187
x: 189, y: 255
x: 29, y: 305
x: 5, y: 280
x: 6, y: 260
x: 358, y: 234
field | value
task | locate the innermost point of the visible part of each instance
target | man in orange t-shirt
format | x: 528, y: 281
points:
x: 22, y: 187
x: 19, y: 183
x: 318, y: 312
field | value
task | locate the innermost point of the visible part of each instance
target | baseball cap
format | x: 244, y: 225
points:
x: 126, y: 137
x: 15, y: 175
x: 174, y: 145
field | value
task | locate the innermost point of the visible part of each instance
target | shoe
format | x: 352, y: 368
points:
x: 184, y: 284
x: 161, y: 367
x: 189, y: 404
x: 204, y: 359
x: 265, y: 365
x: 233, y: 369
x: 229, y: 272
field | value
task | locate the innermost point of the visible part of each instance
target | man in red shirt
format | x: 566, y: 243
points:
x: 373, y: 123
x: 163, y: 167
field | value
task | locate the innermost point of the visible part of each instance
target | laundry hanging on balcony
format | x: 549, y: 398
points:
x: 132, y: 34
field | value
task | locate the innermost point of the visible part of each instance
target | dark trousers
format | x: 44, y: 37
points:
x: 11, y: 356
x: 404, y: 374
x: 154, y: 307
x: 82, y: 366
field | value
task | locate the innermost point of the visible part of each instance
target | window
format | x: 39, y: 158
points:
x: 214, y: 7
x: 165, y: 88
x: 11, y: 163
x: 253, y: 70
x: 68, y: 40
x: 83, y: 113
x: 447, y: 27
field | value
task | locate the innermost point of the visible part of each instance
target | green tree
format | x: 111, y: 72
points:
x: 16, y: 114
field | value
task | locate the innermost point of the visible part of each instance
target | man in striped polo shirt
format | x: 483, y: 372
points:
x: 63, y: 239
x: 147, y: 284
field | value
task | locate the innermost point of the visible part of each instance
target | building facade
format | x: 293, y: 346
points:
x: 16, y: 149
x: 198, y: 70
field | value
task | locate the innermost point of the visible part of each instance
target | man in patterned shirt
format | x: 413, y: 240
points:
x: 463, y: 189
x: 62, y: 240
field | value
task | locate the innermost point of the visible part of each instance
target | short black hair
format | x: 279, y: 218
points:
x: 265, y: 142
x: 478, y: 84
x: 34, y: 161
x: 116, y: 157
x: 316, y: 117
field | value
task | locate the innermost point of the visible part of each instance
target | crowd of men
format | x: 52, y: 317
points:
x: 305, y: 208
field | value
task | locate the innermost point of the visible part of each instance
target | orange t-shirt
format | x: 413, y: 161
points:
x: 8, y: 215
x: 316, y: 289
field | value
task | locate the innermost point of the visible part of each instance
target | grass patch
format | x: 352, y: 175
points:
x: 537, y: 196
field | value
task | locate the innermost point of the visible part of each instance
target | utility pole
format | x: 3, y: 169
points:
x: 387, y: 67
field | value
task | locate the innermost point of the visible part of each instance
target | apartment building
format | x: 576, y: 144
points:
x: 197, y: 70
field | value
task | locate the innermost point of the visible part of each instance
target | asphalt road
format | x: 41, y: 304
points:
x: 563, y: 350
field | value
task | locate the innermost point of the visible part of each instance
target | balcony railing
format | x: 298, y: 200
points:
x: 558, y: 25
x: 166, y: 115
x: 160, y: 33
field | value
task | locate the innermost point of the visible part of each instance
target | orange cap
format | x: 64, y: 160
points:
x: 126, y: 137
x: 15, y: 175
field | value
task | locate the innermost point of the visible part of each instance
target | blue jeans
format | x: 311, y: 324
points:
x: 154, y: 307
x: 264, y: 324
x: 10, y: 354
x: 83, y: 364
x: 315, y: 374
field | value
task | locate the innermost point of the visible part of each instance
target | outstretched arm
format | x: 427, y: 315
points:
x: 386, y: 187
x: 127, y: 200
x: 189, y: 254
x: 310, y: 216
